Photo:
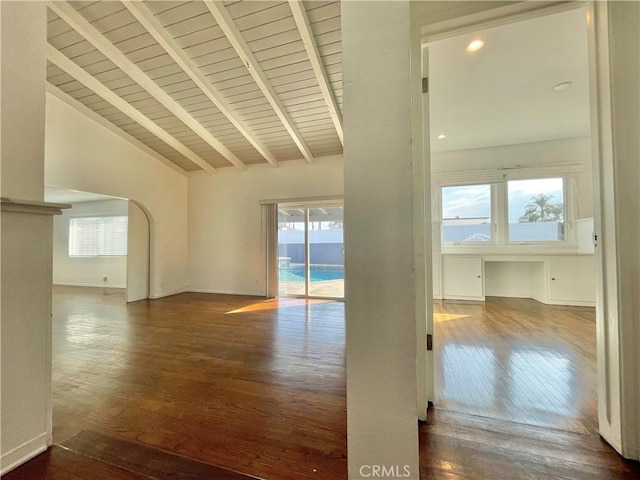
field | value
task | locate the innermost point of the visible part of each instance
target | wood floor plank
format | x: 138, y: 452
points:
x: 143, y: 460
x: 259, y: 387
x: 481, y: 458
x: 260, y: 391
x: 517, y: 360
x: 59, y: 463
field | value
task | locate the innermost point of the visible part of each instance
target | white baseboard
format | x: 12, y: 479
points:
x: 92, y: 285
x: 570, y: 303
x: 464, y: 298
x: 155, y: 296
x: 228, y: 292
x: 23, y: 453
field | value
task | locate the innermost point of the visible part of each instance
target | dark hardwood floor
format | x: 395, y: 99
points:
x: 518, y: 360
x: 169, y: 388
x: 251, y: 385
x: 458, y: 446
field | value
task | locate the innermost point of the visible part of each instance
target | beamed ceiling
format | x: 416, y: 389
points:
x: 203, y: 85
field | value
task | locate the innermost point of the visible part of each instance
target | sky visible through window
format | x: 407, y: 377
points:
x: 474, y: 201
x: 468, y: 201
x: 522, y: 192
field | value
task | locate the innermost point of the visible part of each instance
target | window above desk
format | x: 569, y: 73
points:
x: 506, y: 210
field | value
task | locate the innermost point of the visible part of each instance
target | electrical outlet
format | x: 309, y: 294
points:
x: 104, y: 278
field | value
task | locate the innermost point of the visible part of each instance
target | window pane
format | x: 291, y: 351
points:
x: 291, y: 251
x: 326, y: 252
x: 93, y: 236
x: 83, y: 236
x: 466, y: 214
x: 536, y: 210
x: 114, y: 236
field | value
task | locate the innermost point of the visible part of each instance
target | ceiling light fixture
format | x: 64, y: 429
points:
x: 562, y: 86
x: 441, y: 136
x: 475, y: 45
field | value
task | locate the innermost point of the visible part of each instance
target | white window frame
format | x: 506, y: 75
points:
x: 492, y: 206
x: 100, y: 239
x: 568, y: 213
x: 499, y: 214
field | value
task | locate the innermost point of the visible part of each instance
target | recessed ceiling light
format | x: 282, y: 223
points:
x: 562, y: 86
x: 475, y: 45
x: 441, y: 136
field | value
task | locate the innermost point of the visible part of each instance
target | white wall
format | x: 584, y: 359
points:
x: 82, y: 155
x: 226, y: 228
x: 25, y: 242
x: 382, y: 417
x: 137, y: 254
x: 87, y: 271
x: 526, y: 154
x: 623, y: 173
x: 509, y: 279
x: 22, y: 102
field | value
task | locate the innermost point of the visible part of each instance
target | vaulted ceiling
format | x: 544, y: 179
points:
x: 203, y: 85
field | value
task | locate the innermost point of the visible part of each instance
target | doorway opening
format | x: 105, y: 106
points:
x: 310, y: 250
x: 514, y: 278
x: 101, y: 243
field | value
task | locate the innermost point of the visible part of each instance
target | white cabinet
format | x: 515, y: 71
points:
x: 572, y: 280
x: 462, y: 278
x: 549, y: 279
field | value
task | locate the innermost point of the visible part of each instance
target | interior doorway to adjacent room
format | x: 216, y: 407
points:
x: 513, y: 270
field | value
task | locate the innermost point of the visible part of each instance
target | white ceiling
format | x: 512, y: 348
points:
x: 204, y: 85
x: 63, y: 195
x: 503, y: 94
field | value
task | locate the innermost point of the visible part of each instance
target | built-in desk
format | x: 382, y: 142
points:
x: 552, y: 279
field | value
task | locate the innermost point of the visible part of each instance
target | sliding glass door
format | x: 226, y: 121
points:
x: 311, y: 251
x: 292, y: 255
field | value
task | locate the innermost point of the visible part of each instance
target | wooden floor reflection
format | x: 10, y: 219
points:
x: 261, y: 391
x: 168, y: 388
x: 517, y: 360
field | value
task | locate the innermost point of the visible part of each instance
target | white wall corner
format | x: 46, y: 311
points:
x: 23, y: 453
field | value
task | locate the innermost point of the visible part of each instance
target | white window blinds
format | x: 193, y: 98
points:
x: 94, y: 236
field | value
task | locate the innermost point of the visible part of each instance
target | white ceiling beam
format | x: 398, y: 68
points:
x: 160, y: 34
x: 101, y: 90
x: 302, y: 22
x: 83, y: 109
x: 228, y: 26
x: 76, y: 21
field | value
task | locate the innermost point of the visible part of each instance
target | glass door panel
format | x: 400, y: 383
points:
x: 311, y: 251
x: 292, y: 258
x: 326, y: 251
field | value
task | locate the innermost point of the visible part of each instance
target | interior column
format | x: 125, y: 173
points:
x: 26, y: 246
x: 380, y: 304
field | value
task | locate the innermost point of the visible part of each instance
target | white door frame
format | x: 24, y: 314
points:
x: 607, y: 322
x: 271, y: 228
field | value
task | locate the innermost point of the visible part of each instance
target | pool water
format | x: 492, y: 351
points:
x: 318, y: 273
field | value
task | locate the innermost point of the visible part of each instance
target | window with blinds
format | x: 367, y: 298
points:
x: 95, y: 236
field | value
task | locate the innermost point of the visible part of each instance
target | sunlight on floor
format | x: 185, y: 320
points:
x: 276, y: 303
x: 447, y: 317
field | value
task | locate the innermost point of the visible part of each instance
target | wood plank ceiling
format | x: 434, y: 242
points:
x: 203, y: 85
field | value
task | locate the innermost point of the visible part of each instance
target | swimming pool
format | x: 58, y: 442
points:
x: 319, y: 273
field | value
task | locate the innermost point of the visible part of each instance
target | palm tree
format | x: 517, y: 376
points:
x: 542, y: 209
